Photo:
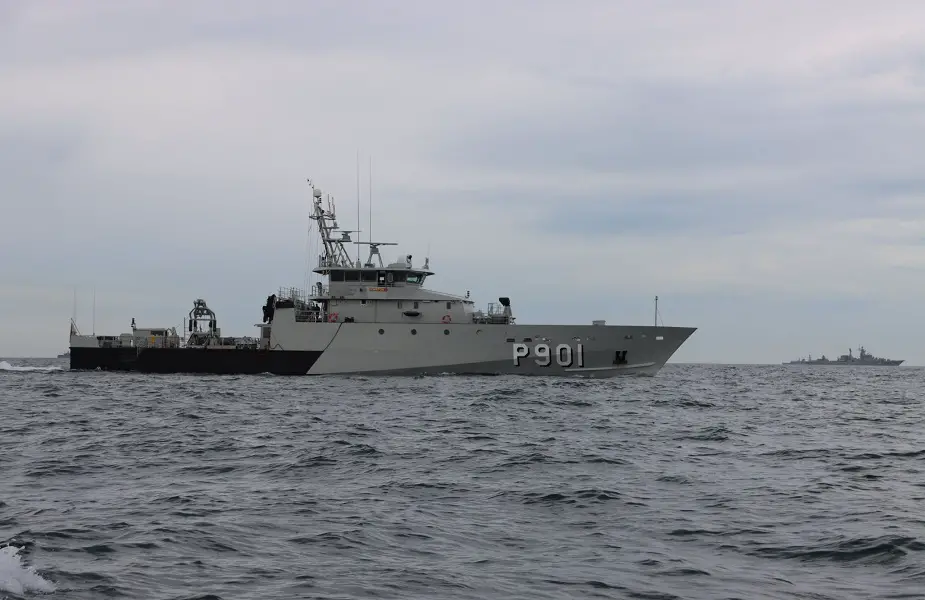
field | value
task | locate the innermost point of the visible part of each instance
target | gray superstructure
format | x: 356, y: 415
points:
x: 375, y: 318
x: 863, y: 359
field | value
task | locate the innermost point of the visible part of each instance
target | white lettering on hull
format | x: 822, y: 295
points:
x: 564, y: 355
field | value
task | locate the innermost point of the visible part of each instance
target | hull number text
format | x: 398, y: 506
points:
x: 563, y: 354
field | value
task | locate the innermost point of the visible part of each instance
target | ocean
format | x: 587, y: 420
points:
x: 705, y: 482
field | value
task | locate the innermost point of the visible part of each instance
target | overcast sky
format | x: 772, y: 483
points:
x: 760, y: 165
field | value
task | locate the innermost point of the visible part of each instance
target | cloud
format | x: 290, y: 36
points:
x: 756, y: 168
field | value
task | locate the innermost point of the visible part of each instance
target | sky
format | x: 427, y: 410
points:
x: 759, y: 166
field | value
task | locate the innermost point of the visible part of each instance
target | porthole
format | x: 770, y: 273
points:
x: 381, y: 331
x: 414, y: 332
x: 446, y: 332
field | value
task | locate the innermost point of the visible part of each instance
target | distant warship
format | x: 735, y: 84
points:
x: 378, y: 319
x: 864, y: 359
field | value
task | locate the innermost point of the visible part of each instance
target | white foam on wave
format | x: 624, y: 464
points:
x: 5, y: 366
x: 17, y: 578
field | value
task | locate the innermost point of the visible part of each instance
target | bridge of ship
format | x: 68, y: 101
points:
x: 313, y: 306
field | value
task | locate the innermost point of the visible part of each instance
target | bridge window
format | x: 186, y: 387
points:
x: 369, y: 276
x: 415, y: 278
x: 398, y: 276
x: 351, y: 275
x: 337, y: 275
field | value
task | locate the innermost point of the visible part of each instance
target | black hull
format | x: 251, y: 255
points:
x: 194, y: 360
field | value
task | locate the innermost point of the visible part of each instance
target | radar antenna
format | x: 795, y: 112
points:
x: 374, y: 251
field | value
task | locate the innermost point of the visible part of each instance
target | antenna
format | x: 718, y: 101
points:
x: 358, y: 203
x: 94, y: 310
x: 370, y: 199
x: 657, y: 315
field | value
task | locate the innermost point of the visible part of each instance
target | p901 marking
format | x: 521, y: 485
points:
x: 564, y: 355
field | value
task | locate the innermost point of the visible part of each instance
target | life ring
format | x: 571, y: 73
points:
x: 332, y: 318
x: 446, y: 318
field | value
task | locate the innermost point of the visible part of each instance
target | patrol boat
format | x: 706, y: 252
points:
x: 373, y: 318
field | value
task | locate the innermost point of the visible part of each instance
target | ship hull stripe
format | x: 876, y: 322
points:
x: 195, y: 360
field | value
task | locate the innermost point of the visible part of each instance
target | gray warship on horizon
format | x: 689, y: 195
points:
x: 377, y: 319
x: 864, y: 359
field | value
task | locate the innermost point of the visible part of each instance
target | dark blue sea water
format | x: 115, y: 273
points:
x: 705, y: 482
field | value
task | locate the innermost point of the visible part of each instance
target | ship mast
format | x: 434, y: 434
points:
x: 335, y: 254
x: 334, y: 238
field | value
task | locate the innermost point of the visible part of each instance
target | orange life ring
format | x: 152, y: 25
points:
x: 332, y: 318
x: 446, y: 318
